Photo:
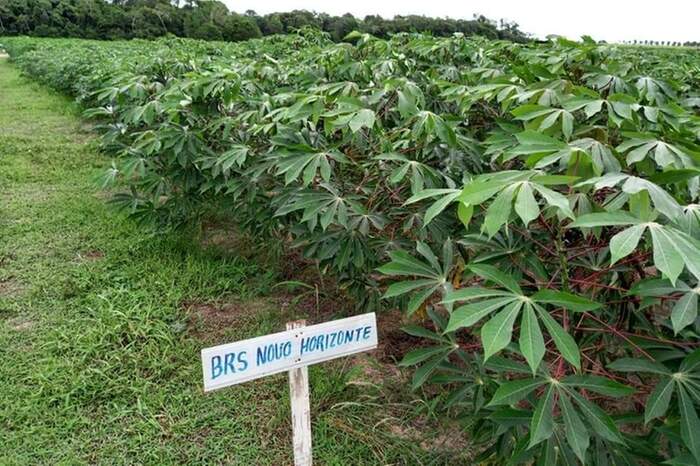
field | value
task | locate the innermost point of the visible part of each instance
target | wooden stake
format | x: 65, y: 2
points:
x: 301, y: 411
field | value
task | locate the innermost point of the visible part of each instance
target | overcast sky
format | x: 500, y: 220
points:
x: 611, y: 20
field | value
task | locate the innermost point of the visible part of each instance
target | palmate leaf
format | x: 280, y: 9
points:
x: 683, y: 383
x: 663, y: 153
x: 541, y: 151
x: 420, y: 174
x: 434, y: 273
x: 546, y: 117
x: 496, y: 334
x: 429, y: 124
x: 446, y: 197
x: 513, y: 187
x: 602, y: 424
x: 662, y: 200
x: 307, y: 165
x: 673, y: 249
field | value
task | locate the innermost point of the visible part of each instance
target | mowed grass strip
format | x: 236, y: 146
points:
x: 101, y: 324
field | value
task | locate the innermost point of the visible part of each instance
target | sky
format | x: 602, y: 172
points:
x: 610, y: 20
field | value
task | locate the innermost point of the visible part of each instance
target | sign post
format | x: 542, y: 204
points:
x: 292, y: 350
x: 301, y: 409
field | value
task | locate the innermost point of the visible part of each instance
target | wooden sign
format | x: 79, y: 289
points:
x: 291, y: 350
x: 245, y: 360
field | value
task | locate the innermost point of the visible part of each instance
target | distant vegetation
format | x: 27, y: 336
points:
x: 211, y: 20
x: 663, y: 43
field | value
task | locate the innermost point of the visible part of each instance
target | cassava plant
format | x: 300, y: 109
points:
x: 532, y: 206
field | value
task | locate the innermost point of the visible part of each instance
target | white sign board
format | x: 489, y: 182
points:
x: 245, y: 360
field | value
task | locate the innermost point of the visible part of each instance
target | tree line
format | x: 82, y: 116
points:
x: 211, y: 20
x: 665, y: 43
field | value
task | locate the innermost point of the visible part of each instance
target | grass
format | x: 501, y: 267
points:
x: 100, y: 335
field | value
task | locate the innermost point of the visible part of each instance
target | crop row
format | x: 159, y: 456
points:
x: 545, y: 190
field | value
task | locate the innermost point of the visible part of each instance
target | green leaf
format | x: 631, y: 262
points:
x: 542, y: 425
x: 419, y: 355
x: 419, y: 298
x: 674, y: 176
x: 406, y: 105
x: 511, y: 392
x: 690, y: 423
x: 598, y: 384
x: 403, y: 263
x: 576, y: 431
x: 497, y: 333
x: 556, y: 199
x: 438, y: 206
x: 362, y: 119
x: 499, y: 211
x: 624, y: 242
x: 531, y: 340
x: 639, y: 365
x: 491, y: 273
x: 563, y: 341
x: 423, y: 332
x: 471, y: 293
x: 464, y: 213
x: 691, y: 363
x: 468, y: 315
x: 602, y: 424
x: 685, y: 311
x: 501, y: 364
x: 601, y: 219
x: 427, y: 194
x: 424, y: 371
x: 565, y: 300
x: 525, y: 204
x: 659, y: 399
x: 399, y: 288
x: 666, y: 257
x: 476, y: 192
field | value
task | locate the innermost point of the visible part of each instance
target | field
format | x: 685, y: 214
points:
x: 531, y: 208
x: 101, y: 324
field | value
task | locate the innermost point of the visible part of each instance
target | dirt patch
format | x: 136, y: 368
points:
x: 394, y: 343
x: 222, y: 238
x: 10, y: 287
x: 444, y: 438
x: 3, y: 56
x: 226, y: 237
x: 91, y: 255
x: 211, y: 321
x: 20, y: 323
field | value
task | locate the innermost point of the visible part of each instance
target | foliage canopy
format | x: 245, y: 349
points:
x: 535, y: 203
